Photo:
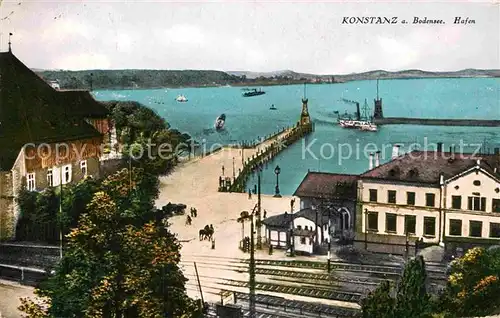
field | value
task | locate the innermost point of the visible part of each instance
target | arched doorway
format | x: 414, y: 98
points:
x: 345, y: 219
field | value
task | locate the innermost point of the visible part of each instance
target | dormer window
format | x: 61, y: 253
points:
x: 394, y: 172
x: 413, y: 173
x: 66, y: 174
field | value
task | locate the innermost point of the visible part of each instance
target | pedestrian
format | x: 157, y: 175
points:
x: 265, y: 213
x: 249, y: 194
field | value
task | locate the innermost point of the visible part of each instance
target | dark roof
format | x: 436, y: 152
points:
x: 283, y: 220
x: 280, y: 220
x: 31, y: 111
x: 426, y: 166
x: 82, y: 104
x: 327, y: 185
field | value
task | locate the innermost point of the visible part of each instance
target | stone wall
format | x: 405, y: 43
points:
x: 6, y: 206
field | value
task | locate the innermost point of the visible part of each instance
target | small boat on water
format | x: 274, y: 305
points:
x: 358, y: 124
x: 181, y: 99
x: 272, y: 107
x: 220, y: 121
x: 253, y: 92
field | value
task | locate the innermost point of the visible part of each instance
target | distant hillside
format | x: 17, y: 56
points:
x: 122, y: 79
x: 116, y: 79
x: 381, y: 74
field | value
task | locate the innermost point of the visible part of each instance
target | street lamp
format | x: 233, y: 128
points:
x: 277, y: 171
x: 234, y: 176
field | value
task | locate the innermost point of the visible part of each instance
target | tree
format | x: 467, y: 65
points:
x: 379, y: 303
x: 121, y: 261
x: 412, y: 300
x: 473, y: 287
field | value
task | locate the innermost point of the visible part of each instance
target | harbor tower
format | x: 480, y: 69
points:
x: 305, y: 120
x: 377, y: 110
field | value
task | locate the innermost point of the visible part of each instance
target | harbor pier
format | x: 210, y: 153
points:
x: 436, y: 122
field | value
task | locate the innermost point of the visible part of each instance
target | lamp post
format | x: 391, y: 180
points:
x: 234, y: 173
x: 277, y: 171
x: 252, y: 268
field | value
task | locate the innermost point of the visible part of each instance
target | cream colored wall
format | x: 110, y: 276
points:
x: 467, y: 217
x: 401, y: 190
x: 419, y: 210
x: 400, y: 212
x: 307, y: 247
x: 466, y: 187
x: 303, y: 222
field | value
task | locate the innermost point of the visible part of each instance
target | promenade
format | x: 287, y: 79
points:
x: 195, y: 183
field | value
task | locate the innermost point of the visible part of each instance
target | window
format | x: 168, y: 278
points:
x: 302, y: 240
x: 475, y: 228
x: 373, y: 195
x: 456, y: 227
x: 495, y: 230
x: 83, y: 167
x: 477, y: 183
x: 495, y: 205
x: 410, y: 198
x: 410, y: 224
x: 429, y: 226
x: 430, y: 199
x: 299, y: 227
x: 306, y: 228
x: 372, y: 221
x: 476, y: 203
x: 30, y: 178
x: 66, y: 174
x: 311, y: 241
x: 390, y: 222
x: 50, y: 178
x: 456, y: 202
x: 391, y: 196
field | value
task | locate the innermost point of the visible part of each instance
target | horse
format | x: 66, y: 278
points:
x: 206, y: 233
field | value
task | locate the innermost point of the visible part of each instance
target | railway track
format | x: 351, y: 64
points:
x: 299, y: 306
x: 306, y: 291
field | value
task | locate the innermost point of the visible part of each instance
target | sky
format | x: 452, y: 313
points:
x: 303, y: 36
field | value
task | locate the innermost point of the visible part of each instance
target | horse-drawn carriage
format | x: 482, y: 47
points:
x: 171, y: 209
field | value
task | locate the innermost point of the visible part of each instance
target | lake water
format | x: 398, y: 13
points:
x: 332, y: 149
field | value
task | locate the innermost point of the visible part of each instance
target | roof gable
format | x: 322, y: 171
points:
x: 427, y: 166
x: 31, y: 111
x: 477, y: 167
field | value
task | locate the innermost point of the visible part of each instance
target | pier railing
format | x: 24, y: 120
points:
x: 265, y: 155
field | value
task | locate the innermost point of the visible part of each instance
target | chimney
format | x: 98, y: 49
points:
x: 377, y: 158
x: 395, y: 151
x: 439, y: 147
x: 371, y: 161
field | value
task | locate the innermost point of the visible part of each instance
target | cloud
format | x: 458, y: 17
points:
x: 82, y: 61
x: 185, y: 34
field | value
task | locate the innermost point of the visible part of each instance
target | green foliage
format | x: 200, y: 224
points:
x: 147, y: 137
x: 473, y: 287
x: 411, y: 301
x: 39, y: 220
x: 379, y: 303
x: 121, y: 260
